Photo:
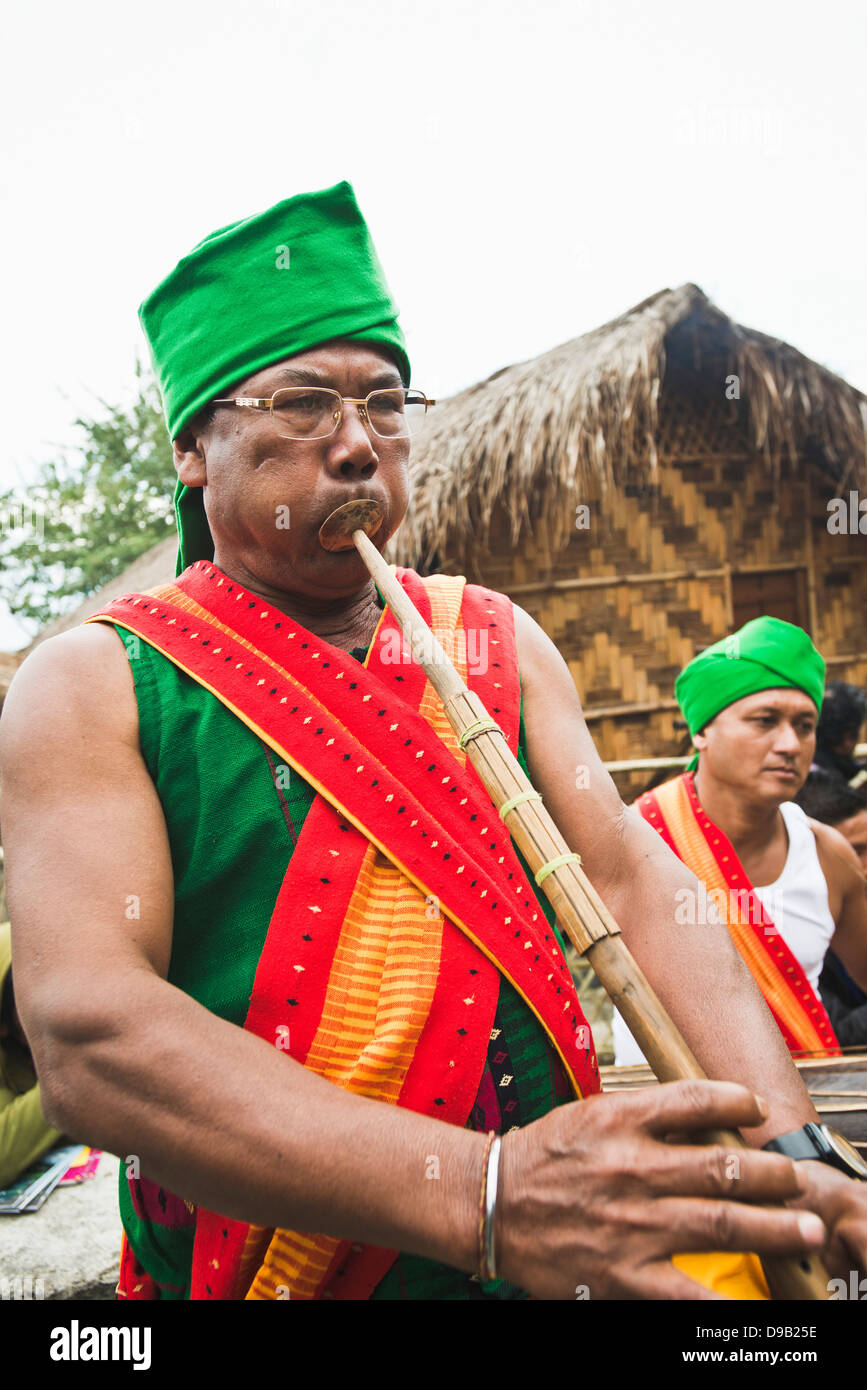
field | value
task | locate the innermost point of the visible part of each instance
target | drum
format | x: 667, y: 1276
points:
x: 837, y: 1087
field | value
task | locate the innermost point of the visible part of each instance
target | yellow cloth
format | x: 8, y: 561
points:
x: 733, y: 1275
x: 25, y: 1134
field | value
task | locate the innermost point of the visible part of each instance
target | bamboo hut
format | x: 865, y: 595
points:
x: 644, y: 489
x: 640, y: 490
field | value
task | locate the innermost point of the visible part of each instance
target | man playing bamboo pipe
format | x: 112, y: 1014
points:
x: 786, y: 886
x: 214, y: 941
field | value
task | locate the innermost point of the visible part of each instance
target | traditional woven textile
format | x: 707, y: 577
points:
x: 674, y: 811
x: 388, y: 1002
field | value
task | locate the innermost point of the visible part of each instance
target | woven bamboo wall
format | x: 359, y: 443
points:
x: 840, y: 564
x: 671, y: 545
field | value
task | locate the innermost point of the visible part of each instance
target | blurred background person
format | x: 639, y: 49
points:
x: 826, y: 797
x: 785, y: 886
x: 843, y: 712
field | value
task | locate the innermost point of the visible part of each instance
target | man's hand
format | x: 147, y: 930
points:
x: 841, y: 1202
x: 603, y: 1193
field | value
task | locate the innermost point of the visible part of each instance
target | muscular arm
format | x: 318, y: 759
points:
x: 133, y: 1065
x: 696, y: 970
x: 847, y: 898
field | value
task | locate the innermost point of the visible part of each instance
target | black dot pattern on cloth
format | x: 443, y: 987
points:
x: 320, y: 731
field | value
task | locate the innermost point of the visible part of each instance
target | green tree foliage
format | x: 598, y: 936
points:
x: 86, y: 516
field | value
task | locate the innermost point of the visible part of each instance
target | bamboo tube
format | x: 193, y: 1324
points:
x: 580, y: 911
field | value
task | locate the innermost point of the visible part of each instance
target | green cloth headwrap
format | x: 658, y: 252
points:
x: 253, y: 293
x: 764, y: 654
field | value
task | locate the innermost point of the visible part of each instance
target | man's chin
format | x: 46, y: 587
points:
x: 318, y: 572
x: 772, y: 789
x: 791, y: 781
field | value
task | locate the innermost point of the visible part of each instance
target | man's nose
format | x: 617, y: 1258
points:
x: 352, y: 447
x: 787, y: 740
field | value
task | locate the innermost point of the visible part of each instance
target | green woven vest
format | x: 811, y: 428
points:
x: 234, y: 813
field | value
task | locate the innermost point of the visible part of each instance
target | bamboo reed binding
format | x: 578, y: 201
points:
x: 580, y: 911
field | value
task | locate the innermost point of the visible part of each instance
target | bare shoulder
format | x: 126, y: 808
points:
x: 82, y: 821
x: 75, y: 683
x: 540, y: 663
x: 838, y: 860
x: 562, y: 758
x: 829, y: 841
x: 529, y: 636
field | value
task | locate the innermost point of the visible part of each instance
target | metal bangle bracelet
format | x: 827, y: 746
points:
x: 491, y: 1182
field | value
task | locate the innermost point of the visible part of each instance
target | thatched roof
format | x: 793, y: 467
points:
x: 532, y: 437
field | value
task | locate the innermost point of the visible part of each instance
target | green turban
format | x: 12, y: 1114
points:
x: 764, y: 654
x: 255, y: 292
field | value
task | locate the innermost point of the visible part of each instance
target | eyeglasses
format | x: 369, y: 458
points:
x: 315, y: 412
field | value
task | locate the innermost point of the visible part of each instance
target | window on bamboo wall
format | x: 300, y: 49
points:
x: 779, y: 593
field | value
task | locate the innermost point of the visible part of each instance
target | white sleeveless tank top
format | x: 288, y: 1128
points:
x: 796, y: 902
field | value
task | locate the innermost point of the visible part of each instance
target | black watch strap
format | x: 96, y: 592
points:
x: 801, y: 1143
x: 822, y: 1143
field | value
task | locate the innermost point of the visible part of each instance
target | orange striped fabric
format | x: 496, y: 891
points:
x: 380, y: 988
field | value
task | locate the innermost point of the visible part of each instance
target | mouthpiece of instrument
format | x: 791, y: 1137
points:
x: 363, y: 514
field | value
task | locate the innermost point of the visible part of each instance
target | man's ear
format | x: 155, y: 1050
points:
x: 699, y: 741
x: 189, y: 457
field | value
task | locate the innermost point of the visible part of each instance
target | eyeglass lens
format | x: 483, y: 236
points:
x: 311, y: 412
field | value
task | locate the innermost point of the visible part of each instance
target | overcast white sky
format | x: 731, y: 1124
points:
x: 529, y: 170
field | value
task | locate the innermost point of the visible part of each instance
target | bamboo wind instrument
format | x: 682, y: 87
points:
x: 580, y: 911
